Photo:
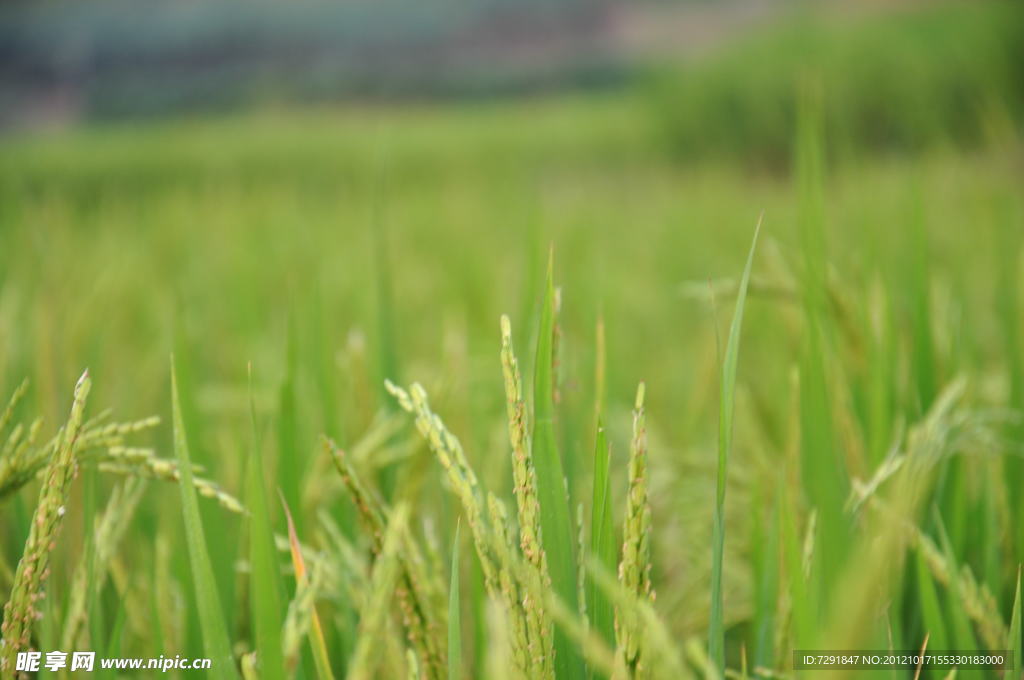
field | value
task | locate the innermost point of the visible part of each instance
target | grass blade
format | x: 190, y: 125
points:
x: 962, y: 633
x: 1013, y: 642
x: 931, y: 609
x: 766, y: 588
x: 387, y: 354
x: 290, y: 460
x: 211, y: 616
x: 265, y: 579
x: 716, y: 633
x: 556, y: 524
x: 454, y: 617
x: 823, y: 468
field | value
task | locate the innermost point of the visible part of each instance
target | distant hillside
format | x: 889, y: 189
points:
x: 124, y: 57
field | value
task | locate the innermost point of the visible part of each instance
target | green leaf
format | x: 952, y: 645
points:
x: 454, y: 616
x: 962, y: 633
x: 211, y: 616
x: 802, y: 582
x: 264, y: 581
x: 716, y: 633
x: 387, y: 353
x: 766, y: 589
x: 1013, y: 641
x: 922, y: 359
x: 931, y: 609
x: 556, y: 523
x: 291, y: 462
x: 822, y: 466
x: 317, y: 643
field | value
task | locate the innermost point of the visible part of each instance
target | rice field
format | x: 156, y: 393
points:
x: 507, y: 390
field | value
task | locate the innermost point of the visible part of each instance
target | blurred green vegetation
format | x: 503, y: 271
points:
x: 944, y: 73
x: 334, y: 249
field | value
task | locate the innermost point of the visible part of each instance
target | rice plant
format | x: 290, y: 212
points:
x: 391, y: 443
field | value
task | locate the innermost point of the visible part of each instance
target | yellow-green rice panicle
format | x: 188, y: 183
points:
x: 316, y: 637
x: 136, y: 462
x: 497, y: 664
x: 413, y: 664
x: 634, y: 569
x: 13, y: 440
x: 527, y: 602
x: 373, y: 617
x: 101, y: 444
x: 19, y: 392
x: 523, y: 472
x: 113, y: 434
x: 366, y: 505
x: 593, y: 648
x: 449, y: 452
x: 414, y: 589
x: 109, y: 531
x: 527, y: 505
x: 21, y: 610
x: 300, y: 616
x: 516, y: 602
x: 20, y: 460
x: 660, y: 653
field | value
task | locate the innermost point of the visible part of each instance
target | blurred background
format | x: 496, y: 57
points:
x: 342, y: 192
x: 904, y: 73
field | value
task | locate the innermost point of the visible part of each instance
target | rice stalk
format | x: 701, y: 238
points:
x: 316, y: 638
x: 249, y: 667
x: 930, y: 441
x: 12, y: 403
x: 521, y: 590
x: 975, y: 598
x: 107, y: 535
x: 602, y: 536
x: 374, y: 613
x: 151, y: 467
x: 22, y: 608
x: 527, y: 504
x: 659, y: 651
x: 454, y: 614
x: 461, y: 476
x: 497, y: 662
x: 557, y: 537
x: 298, y: 620
x: 416, y: 596
x: 21, y: 460
x: 523, y: 469
x: 99, y: 443
x: 635, y: 566
x: 520, y: 605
